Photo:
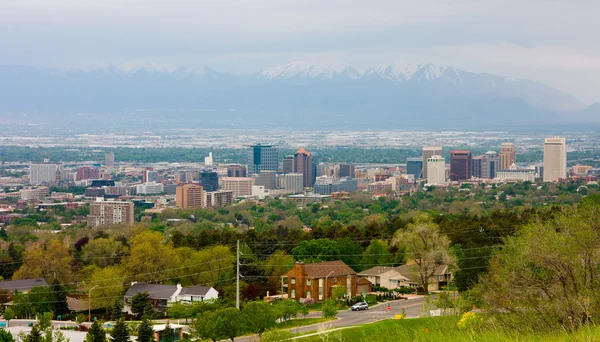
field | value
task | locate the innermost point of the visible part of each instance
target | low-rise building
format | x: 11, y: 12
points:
x: 163, y: 296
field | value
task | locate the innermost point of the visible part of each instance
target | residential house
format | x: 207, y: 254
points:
x: 22, y: 285
x: 163, y: 296
x: 385, y: 276
x: 159, y: 331
x: 317, y: 280
x: 406, y: 276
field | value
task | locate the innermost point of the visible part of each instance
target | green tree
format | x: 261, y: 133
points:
x: 8, y: 314
x: 428, y: 248
x: 151, y: 259
x: 376, y: 254
x: 337, y: 292
x: 102, y: 252
x: 35, y: 335
x: 167, y: 334
x: 141, y: 304
x: 6, y: 336
x: 329, y: 309
x: 206, y: 326
x: 179, y: 310
x: 60, y: 298
x: 120, y: 333
x: 95, y: 333
x: 110, y: 283
x: 230, y: 323
x: 259, y: 317
x: 145, y: 331
x: 116, y: 312
x: 51, y: 261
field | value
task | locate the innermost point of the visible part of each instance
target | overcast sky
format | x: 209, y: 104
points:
x: 555, y: 42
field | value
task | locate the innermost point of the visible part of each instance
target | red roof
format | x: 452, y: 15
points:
x: 302, y: 151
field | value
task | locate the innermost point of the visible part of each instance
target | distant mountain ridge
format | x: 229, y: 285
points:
x: 401, y: 93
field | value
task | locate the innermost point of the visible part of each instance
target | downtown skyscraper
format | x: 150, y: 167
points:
x: 555, y: 159
x: 303, y: 164
x: 262, y: 158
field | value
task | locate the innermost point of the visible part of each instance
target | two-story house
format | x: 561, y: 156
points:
x: 406, y: 276
x: 317, y: 280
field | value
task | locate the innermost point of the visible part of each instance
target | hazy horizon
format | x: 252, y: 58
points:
x: 546, y: 41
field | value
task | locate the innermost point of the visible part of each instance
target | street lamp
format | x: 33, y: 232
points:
x: 326, y: 286
x: 90, y: 303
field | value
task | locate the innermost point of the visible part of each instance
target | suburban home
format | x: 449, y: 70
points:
x: 317, y: 280
x: 163, y: 296
x: 406, y: 276
x: 385, y: 276
x: 22, y: 285
x: 159, y: 330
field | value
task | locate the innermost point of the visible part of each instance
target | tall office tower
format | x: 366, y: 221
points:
x: 291, y: 181
x: 109, y: 159
x: 555, y: 159
x: 208, y: 161
x: 436, y: 168
x: 150, y: 176
x: 315, y: 163
x: 508, y: 155
x: 345, y: 170
x: 108, y: 213
x: 303, y: 165
x: 241, y: 186
x: 236, y: 170
x: 262, y: 158
x: 287, y: 166
x: 209, y: 180
x: 45, y: 173
x: 414, y: 166
x: 188, y: 196
x: 428, y: 152
x: 486, y: 166
x: 86, y: 172
x: 460, y: 165
x: 268, y: 179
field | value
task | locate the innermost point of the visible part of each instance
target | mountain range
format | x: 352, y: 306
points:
x: 341, y: 95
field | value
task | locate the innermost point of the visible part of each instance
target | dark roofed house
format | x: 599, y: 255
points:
x: 163, y: 296
x: 316, y: 280
x: 22, y: 285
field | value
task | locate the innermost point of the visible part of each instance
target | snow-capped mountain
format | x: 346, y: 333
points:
x: 398, y: 93
x: 304, y: 70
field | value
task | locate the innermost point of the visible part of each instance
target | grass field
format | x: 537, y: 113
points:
x: 299, y: 322
x: 445, y: 328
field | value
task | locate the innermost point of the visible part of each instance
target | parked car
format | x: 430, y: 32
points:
x: 360, y: 306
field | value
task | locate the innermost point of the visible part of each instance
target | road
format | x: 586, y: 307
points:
x: 412, y: 307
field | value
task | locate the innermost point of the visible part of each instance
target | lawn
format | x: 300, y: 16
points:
x: 445, y: 329
x: 300, y: 322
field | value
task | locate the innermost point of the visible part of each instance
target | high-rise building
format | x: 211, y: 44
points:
x: 149, y: 176
x: 287, y: 165
x: 266, y: 178
x: 303, y: 165
x: 436, y: 168
x: 208, y: 161
x: 428, y: 152
x: 262, y: 158
x: 45, y: 173
x: 315, y: 162
x: 345, y: 170
x: 292, y: 181
x: 109, y: 159
x: 108, y: 213
x: 325, y: 185
x: 240, y: 186
x: 209, y: 180
x: 555, y: 159
x: 486, y: 166
x: 220, y: 198
x: 508, y: 155
x: 188, y: 196
x: 460, y: 165
x: 236, y: 170
x: 414, y: 166
x: 86, y: 172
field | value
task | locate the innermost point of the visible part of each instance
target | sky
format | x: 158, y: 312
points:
x: 551, y: 41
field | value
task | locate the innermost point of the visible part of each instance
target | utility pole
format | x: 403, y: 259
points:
x: 237, y: 284
x: 90, y: 303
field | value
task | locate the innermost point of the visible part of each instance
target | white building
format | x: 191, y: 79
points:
x: 45, y: 173
x: 208, y: 161
x: 436, y: 170
x: 259, y: 191
x: 555, y: 159
x: 149, y: 188
x: 513, y: 174
x: 241, y: 186
x: 291, y: 181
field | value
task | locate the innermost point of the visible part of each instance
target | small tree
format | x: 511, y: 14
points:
x: 167, y: 335
x: 145, y: 331
x: 35, y: 335
x: 6, y: 336
x: 329, y: 309
x: 95, y: 333
x: 116, y: 312
x: 338, y: 292
x: 259, y: 317
x: 120, y: 333
x: 60, y: 307
x: 8, y: 314
x: 205, y: 326
x: 230, y: 323
x: 141, y: 304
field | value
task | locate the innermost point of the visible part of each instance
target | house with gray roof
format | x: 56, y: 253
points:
x: 163, y: 296
x: 22, y: 285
